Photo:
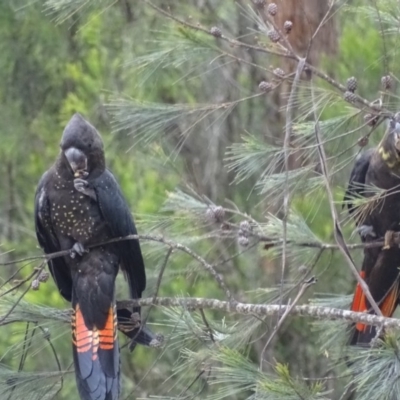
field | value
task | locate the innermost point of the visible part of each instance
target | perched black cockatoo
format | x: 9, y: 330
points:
x: 78, y: 204
x: 376, y: 178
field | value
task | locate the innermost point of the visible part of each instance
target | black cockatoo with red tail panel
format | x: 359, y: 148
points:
x: 79, y: 204
x: 375, y: 185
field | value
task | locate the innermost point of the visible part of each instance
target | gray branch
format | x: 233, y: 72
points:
x: 263, y: 310
x: 229, y: 307
x: 160, y: 239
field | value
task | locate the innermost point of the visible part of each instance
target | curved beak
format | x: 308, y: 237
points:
x: 77, y: 160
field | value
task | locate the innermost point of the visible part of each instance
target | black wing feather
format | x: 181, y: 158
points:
x: 117, y: 215
x: 358, y: 174
x: 48, y: 240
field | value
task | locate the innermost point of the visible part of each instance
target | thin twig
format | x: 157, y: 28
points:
x: 13, y: 275
x: 25, y: 349
x: 160, y: 275
x: 268, y: 242
x: 46, y: 335
x: 321, y: 24
x: 302, y: 290
x: 197, y: 377
x: 3, y: 318
x: 210, y: 332
x: 286, y: 147
x: 26, y: 346
x: 336, y: 223
x: 382, y: 32
x: 158, y: 284
x: 21, y: 282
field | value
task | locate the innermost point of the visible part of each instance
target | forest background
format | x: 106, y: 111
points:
x: 214, y: 124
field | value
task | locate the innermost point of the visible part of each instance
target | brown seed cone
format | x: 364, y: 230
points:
x: 272, y: 9
x: 387, y: 82
x: 265, y: 86
x: 273, y: 36
x: 35, y: 284
x: 351, y: 84
x: 259, y: 3
x: 279, y: 72
x: 243, y: 241
x: 216, y: 32
x: 43, y: 277
x: 215, y: 214
x: 350, y: 97
x: 287, y: 26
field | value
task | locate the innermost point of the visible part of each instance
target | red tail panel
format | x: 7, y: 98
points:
x: 359, y: 302
x: 96, y: 357
x: 107, y: 335
x: 387, y: 306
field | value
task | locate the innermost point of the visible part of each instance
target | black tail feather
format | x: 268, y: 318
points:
x: 138, y: 334
x: 362, y: 338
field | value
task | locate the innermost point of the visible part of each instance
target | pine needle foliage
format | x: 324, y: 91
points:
x: 376, y: 370
x: 35, y: 386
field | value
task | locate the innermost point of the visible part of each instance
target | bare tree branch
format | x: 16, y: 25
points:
x: 260, y: 310
x: 172, y: 245
x: 267, y: 241
x: 317, y: 312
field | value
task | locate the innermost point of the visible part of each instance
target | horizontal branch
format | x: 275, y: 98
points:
x: 160, y: 239
x: 258, y: 310
x: 263, y: 310
x: 378, y: 242
x: 268, y: 242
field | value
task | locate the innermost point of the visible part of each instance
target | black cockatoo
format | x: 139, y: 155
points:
x: 78, y: 204
x: 376, y: 177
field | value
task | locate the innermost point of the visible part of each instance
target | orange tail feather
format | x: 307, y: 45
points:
x: 96, y: 356
x: 387, y: 306
x: 359, y: 302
